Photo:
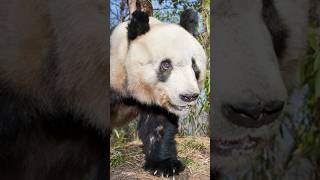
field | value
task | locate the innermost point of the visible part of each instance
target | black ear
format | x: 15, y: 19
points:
x: 189, y: 20
x: 139, y: 24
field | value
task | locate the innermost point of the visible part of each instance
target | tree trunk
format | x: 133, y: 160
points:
x: 143, y: 5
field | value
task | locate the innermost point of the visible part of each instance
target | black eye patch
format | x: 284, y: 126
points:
x: 195, y: 69
x: 165, y: 69
x: 276, y: 27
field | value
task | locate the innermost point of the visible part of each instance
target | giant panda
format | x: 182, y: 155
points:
x: 156, y: 71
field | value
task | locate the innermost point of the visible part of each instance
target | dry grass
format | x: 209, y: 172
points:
x: 127, y: 160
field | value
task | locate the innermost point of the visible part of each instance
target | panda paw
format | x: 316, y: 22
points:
x: 165, y: 168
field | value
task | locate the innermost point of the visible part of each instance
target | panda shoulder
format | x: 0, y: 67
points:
x: 119, y: 31
x: 154, y: 21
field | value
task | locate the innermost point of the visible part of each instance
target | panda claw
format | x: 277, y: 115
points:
x: 165, y: 168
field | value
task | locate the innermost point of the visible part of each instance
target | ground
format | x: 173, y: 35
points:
x: 127, y: 160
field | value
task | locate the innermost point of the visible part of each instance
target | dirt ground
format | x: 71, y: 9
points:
x: 127, y: 160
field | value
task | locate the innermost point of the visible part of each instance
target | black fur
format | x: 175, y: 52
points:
x: 164, y: 72
x: 195, y: 68
x: 38, y: 145
x: 157, y: 129
x: 117, y: 98
x: 275, y: 26
x: 139, y: 24
x: 189, y: 20
x: 157, y: 123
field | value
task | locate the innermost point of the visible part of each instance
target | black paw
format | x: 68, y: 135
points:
x: 164, y: 168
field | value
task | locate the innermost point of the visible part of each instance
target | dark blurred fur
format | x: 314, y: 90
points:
x: 189, y: 19
x: 53, y: 90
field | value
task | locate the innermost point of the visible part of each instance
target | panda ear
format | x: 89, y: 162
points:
x: 189, y: 20
x: 139, y: 24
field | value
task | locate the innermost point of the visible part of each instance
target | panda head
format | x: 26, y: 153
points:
x: 164, y: 64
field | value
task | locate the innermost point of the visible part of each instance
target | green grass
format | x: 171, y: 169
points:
x: 193, y: 145
x: 117, y: 158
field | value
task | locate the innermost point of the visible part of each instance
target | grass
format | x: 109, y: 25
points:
x: 194, y: 152
x: 117, y: 158
x: 193, y: 145
x: 127, y: 158
x: 125, y: 152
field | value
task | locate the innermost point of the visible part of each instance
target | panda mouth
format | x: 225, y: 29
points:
x: 177, y: 107
x: 244, y: 145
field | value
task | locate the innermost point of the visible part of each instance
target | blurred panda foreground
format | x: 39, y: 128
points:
x: 266, y: 90
x: 126, y: 153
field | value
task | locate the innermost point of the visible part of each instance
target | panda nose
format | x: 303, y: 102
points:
x: 253, y: 115
x: 189, y: 97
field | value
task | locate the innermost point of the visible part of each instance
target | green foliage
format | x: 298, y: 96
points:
x: 188, y: 162
x: 207, y: 87
x: 315, y: 46
x: 123, y: 135
x: 309, y: 143
x: 117, y: 158
x: 308, y: 138
x: 119, y: 139
x: 194, y: 152
x: 169, y: 10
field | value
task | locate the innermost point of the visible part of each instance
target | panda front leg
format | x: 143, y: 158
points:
x: 157, y: 131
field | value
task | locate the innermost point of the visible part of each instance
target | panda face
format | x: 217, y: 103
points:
x: 165, y: 66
